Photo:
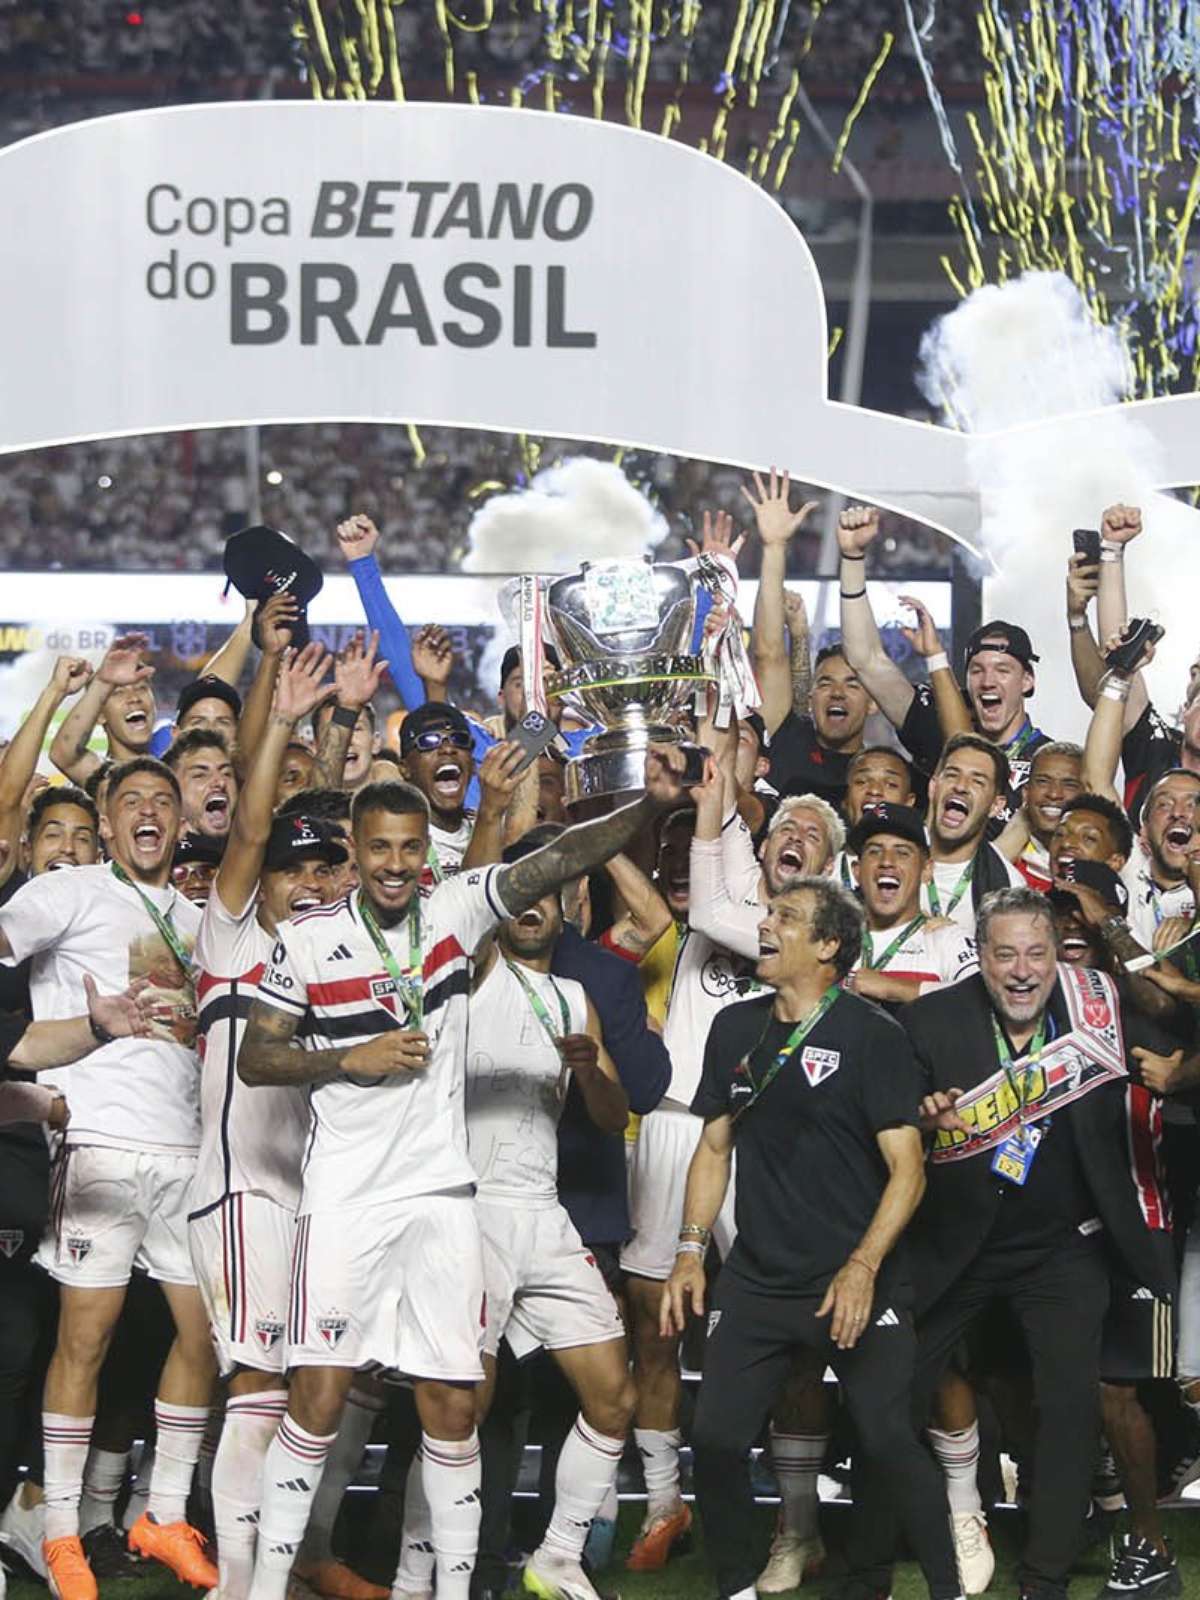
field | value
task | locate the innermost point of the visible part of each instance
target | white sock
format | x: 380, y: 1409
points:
x: 292, y: 1472
x: 452, y: 1477
x: 610, y: 1506
x: 139, y: 1495
x: 659, y: 1451
x: 102, y: 1479
x: 797, y: 1459
x: 345, y: 1458
x: 65, y: 1442
x: 209, y: 1445
x: 251, y: 1421
x: 414, y: 1575
x: 958, y: 1456
x: 587, y: 1470
x: 745, y: 1594
x: 179, y: 1431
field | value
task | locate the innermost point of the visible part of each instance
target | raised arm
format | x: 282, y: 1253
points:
x: 498, y: 783
x: 122, y: 665
x: 1083, y: 582
x: 70, y: 674
x: 1118, y: 528
x: 299, y: 687
x: 646, y: 916
x: 712, y: 909
x: 358, y: 537
x: 776, y: 525
x: 952, y: 711
x: 229, y: 663
x: 796, y: 615
x: 590, y: 844
x: 274, y: 636
x: 357, y: 676
x: 1102, y: 748
x: 433, y: 662
x: 861, y: 644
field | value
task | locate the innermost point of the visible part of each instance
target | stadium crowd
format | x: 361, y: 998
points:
x: 362, y: 1082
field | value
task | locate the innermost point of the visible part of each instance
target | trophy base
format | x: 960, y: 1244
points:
x: 613, y: 765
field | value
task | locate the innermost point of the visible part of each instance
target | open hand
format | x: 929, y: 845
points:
x: 432, y: 655
x: 776, y: 521
x: 123, y: 664
x: 923, y: 637
x: 357, y: 674
x: 128, y: 1015
x: 717, y: 537
x: 302, y: 683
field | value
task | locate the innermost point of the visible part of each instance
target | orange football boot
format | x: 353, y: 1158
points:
x: 336, y: 1581
x: 653, y: 1546
x: 180, y: 1548
x: 67, y: 1570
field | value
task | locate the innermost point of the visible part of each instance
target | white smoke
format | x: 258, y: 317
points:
x: 1024, y: 353
x: 578, y: 510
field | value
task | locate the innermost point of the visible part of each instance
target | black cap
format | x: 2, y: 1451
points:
x: 195, y: 849
x: 512, y: 658
x: 1005, y: 636
x: 433, y: 714
x: 304, y: 839
x: 902, y: 821
x: 261, y: 561
x: 1097, y: 875
x: 209, y: 687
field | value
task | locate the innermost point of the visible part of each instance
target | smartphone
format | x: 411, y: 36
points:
x: 695, y: 756
x: 1087, y: 543
x: 535, y: 734
x: 1138, y: 632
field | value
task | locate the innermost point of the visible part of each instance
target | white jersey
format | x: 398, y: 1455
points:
x: 707, y: 979
x: 933, y: 956
x: 134, y: 1094
x: 1148, y: 903
x: 383, y: 1139
x: 513, y: 1078
x: 947, y: 877
x: 448, y: 846
x: 252, y: 1138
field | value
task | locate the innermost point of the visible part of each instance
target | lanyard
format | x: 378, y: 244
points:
x: 409, y: 985
x: 1036, y: 1045
x: 847, y: 879
x: 434, y: 865
x: 683, y: 931
x: 960, y: 888
x: 163, y: 923
x: 538, y: 1005
x: 879, y: 964
x: 1021, y: 741
x: 794, y: 1040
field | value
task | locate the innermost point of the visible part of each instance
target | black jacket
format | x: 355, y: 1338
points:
x: 951, y: 1033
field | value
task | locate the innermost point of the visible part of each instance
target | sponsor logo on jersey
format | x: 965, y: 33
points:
x: 332, y: 1330
x: 78, y: 1248
x: 268, y: 1332
x: 819, y: 1064
x: 11, y: 1240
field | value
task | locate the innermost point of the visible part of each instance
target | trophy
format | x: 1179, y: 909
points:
x: 628, y: 658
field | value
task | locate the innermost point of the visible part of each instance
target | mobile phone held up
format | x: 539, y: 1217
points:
x: 535, y: 734
x: 1139, y: 631
x: 1087, y: 543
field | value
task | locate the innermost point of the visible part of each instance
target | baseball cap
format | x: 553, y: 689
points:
x: 194, y: 849
x: 902, y: 821
x: 1004, y: 636
x: 261, y: 561
x: 512, y: 658
x: 304, y: 839
x: 433, y: 714
x: 209, y: 687
x: 1109, y: 885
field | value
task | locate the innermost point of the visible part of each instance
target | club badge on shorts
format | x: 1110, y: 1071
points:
x: 11, y: 1240
x: 77, y: 1247
x: 267, y: 1332
x: 819, y: 1064
x: 332, y: 1330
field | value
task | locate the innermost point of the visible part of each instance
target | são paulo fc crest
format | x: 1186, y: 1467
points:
x: 78, y: 1248
x: 332, y: 1330
x: 11, y: 1240
x: 383, y: 992
x: 267, y: 1332
x: 819, y: 1064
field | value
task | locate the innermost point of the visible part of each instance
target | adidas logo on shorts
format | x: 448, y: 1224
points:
x: 889, y: 1319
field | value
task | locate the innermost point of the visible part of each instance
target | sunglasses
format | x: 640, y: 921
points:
x: 433, y: 738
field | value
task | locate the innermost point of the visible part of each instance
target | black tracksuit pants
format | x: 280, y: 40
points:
x: 747, y: 1359
x: 1058, y: 1296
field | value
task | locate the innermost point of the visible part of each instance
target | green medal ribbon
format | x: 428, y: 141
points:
x: 163, y: 923
x: 538, y: 1005
x: 1036, y: 1045
x: 1020, y: 741
x: 409, y: 984
x: 960, y: 888
x: 434, y: 865
x: 794, y: 1040
x: 877, y: 964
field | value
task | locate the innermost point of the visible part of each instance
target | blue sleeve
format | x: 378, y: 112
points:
x: 393, y: 635
x: 614, y: 988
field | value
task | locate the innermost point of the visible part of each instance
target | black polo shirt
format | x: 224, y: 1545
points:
x: 801, y: 765
x: 809, y: 1170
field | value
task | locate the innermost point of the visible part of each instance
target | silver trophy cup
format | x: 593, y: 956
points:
x: 623, y: 630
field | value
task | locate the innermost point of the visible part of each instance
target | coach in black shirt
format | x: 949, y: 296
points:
x: 818, y: 1090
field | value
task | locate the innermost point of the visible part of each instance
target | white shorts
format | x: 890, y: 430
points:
x: 399, y: 1285
x: 544, y: 1289
x: 1187, y: 1361
x: 666, y: 1143
x: 242, y: 1256
x: 113, y: 1210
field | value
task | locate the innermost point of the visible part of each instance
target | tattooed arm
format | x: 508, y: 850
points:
x: 590, y: 844
x: 270, y: 1055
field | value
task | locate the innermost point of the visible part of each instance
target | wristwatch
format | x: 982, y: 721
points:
x: 99, y: 1032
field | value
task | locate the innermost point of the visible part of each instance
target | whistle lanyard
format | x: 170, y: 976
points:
x: 538, y: 1006
x: 960, y: 888
x: 794, y: 1040
x: 163, y: 923
x: 409, y: 984
x: 1036, y: 1045
x: 879, y: 964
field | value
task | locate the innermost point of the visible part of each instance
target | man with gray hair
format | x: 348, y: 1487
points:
x: 1030, y: 1201
x: 818, y: 1091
